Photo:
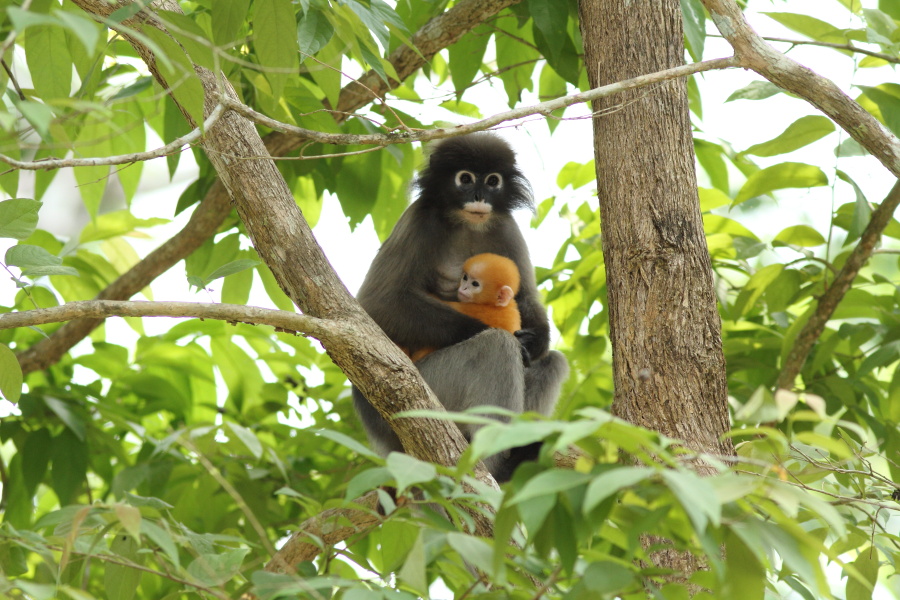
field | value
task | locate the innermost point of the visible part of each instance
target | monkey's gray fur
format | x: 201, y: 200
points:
x: 466, y: 195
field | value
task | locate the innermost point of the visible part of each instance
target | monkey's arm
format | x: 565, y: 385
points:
x: 416, y: 320
x: 535, y: 333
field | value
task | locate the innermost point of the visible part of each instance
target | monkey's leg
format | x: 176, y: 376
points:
x: 381, y: 437
x: 543, y: 381
x: 485, y: 370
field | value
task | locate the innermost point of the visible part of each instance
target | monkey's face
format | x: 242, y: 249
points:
x: 479, y: 193
x: 472, y: 179
x: 469, y: 289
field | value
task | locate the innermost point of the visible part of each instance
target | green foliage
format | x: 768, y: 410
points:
x: 166, y: 462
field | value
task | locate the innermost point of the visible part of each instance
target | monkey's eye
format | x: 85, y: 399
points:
x: 464, y: 178
x: 476, y: 284
x: 494, y: 180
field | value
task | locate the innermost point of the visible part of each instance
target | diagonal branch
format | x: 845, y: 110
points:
x: 829, y: 301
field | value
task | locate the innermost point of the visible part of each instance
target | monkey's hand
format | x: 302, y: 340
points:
x: 531, y: 345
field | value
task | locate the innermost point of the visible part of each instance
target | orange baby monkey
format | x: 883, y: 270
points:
x: 486, y: 292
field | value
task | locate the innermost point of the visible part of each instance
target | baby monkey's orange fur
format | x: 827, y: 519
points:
x: 486, y: 292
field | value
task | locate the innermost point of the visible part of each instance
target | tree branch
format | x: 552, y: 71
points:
x: 832, y: 297
x: 849, y: 46
x: 173, y: 147
x: 427, y: 135
x: 233, y: 313
x: 754, y: 53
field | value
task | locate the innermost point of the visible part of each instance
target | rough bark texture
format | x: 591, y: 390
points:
x: 285, y: 242
x: 668, y: 365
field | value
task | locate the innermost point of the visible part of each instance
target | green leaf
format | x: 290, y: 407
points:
x: 358, y: 176
x: 550, y: 483
x: 711, y: 158
x: 799, y: 235
x: 867, y: 564
x: 413, y: 572
x: 93, y: 141
x: 475, y: 551
x: 18, y: 218
x: 69, y: 470
x: 887, y: 97
x: 696, y: 496
x: 35, y: 457
x: 216, y: 569
x: 120, y: 582
x: 755, y: 287
x: 73, y: 420
x: 248, y: 438
x: 35, y: 261
x: 809, y: 26
x: 550, y: 18
x: 178, y: 72
x: 235, y: 266
x: 862, y: 212
x: 49, y: 61
x: 515, y: 58
x: 162, y: 538
x: 314, y: 31
x: 408, y: 471
x: 115, y: 224
x: 275, y: 40
x: 10, y: 374
x: 40, y: 117
x: 800, y: 133
x: 227, y: 18
x: 86, y: 31
x: 346, y: 441
x: 466, y: 57
x: 576, y: 174
x: 781, y: 176
x: 378, y: 17
x: 607, y: 577
x: 130, y: 518
x: 694, y: 27
x: 192, y: 38
x: 746, y: 576
x: 757, y: 90
x: 610, y: 482
x: 398, y: 538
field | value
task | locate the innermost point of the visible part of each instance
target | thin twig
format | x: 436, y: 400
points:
x: 172, y: 147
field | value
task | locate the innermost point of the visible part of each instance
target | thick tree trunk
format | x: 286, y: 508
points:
x: 669, y: 370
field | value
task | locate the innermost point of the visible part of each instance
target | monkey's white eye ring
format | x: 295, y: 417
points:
x: 464, y: 178
x: 494, y: 180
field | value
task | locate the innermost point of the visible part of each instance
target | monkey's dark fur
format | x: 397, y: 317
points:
x: 466, y: 195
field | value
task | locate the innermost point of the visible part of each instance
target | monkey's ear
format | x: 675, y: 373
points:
x: 504, y: 295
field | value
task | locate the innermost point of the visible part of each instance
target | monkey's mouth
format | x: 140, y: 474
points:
x: 477, y: 212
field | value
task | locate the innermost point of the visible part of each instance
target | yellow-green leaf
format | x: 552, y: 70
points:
x: 799, y: 235
x: 781, y: 176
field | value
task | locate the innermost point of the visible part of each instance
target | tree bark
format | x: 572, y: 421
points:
x: 665, y: 330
